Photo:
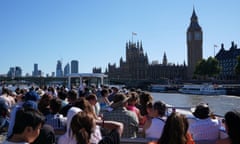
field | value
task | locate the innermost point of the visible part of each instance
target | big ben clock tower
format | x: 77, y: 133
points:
x: 194, y: 44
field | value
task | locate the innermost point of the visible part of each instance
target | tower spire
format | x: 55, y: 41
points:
x: 164, y: 59
x: 194, y: 43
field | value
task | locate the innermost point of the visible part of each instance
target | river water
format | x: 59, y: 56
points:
x: 219, y: 104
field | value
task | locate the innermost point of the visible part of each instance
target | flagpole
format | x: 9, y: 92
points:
x: 132, y: 37
x: 133, y: 33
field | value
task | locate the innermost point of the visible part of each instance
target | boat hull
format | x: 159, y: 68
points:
x: 203, y: 90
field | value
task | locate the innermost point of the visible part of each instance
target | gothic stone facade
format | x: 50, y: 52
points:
x: 137, y: 67
x: 227, y: 61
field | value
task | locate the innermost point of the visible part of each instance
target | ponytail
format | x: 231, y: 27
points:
x: 81, y: 126
x: 82, y: 136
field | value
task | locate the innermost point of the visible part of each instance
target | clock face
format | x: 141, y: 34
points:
x: 197, y: 36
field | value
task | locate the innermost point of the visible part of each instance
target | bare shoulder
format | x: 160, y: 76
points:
x: 147, y: 124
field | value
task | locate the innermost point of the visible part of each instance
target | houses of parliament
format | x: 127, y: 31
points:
x: 137, y: 67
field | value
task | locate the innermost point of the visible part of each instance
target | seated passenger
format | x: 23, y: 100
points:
x: 145, y: 101
x: 81, y: 125
x: 175, y: 131
x: 121, y: 114
x: 232, y: 126
x: 55, y: 119
x: 205, y: 127
x: 153, y: 127
x: 26, y: 128
x: 132, y: 101
x: 67, y: 137
x: 46, y: 136
x: 92, y: 98
x: 103, y: 100
x: 72, y: 97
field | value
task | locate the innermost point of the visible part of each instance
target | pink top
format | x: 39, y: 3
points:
x: 137, y: 112
x: 133, y: 109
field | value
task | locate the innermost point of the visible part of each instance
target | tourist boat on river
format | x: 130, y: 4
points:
x: 203, y: 89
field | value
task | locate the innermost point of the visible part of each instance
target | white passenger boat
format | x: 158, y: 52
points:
x: 203, y: 89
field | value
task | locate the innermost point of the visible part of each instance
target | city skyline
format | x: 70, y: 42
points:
x: 95, y: 33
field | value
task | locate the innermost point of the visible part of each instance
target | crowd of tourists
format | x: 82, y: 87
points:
x: 90, y: 115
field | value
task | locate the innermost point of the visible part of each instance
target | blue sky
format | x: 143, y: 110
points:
x: 95, y: 32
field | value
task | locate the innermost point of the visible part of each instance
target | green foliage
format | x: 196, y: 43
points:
x: 209, y: 67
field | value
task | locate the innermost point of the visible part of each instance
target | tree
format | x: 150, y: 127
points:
x: 213, y: 66
x: 207, y: 68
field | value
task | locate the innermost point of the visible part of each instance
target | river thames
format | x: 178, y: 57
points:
x: 219, y: 104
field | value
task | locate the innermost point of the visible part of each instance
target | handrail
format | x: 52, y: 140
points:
x: 146, y: 140
x: 136, y: 140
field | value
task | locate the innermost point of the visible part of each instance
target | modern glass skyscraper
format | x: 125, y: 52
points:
x: 59, y: 71
x: 35, y: 70
x: 18, y: 71
x: 67, y: 69
x: 74, y: 66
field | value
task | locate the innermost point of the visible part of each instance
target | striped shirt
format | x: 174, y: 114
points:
x: 128, y: 118
x: 57, y: 121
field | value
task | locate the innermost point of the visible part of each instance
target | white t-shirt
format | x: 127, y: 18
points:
x: 205, y: 129
x: 155, y: 129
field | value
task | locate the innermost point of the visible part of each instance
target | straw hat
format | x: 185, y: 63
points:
x: 119, y: 100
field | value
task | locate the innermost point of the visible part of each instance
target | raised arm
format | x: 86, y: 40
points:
x: 111, y: 125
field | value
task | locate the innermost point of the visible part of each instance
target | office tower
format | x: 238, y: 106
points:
x: 59, y: 71
x: 35, y: 70
x: 18, y: 71
x: 74, y: 66
x: 11, y: 72
x: 67, y: 69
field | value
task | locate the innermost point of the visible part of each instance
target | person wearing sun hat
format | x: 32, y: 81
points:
x: 205, y: 127
x: 121, y: 114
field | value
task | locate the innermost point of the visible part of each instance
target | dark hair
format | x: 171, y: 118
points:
x: 27, y: 118
x: 72, y: 94
x: 175, y: 130
x: 55, y: 105
x: 44, y: 103
x: 82, y: 125
x: 160, y: 107
x: 104, y: 91
x: 144, y: 99
x: 232, y: 119
x: 46, y: 136
x: 202, y: 111
x: 62, y: 95
x: 51, y: 89
x: 5, y: 91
